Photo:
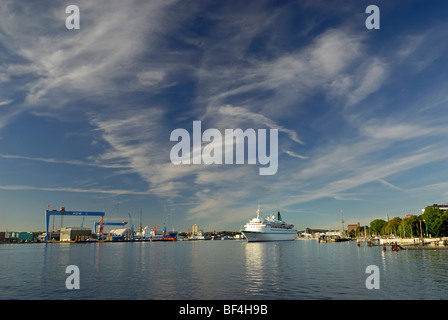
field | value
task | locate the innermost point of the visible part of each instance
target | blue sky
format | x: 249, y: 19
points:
x: 86, y: 115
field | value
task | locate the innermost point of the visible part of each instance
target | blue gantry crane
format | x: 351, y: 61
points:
x: 63, y: 212
x: 98, y: 223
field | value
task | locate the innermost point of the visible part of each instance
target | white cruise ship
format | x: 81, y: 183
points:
x: 268, y: 229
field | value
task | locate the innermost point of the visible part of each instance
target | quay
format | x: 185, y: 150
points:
x: 433, y: 242
x: 398, y: 244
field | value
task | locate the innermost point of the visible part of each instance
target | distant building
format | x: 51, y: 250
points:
x: 75, y: 233
x: 442, y: 207
x: 351, y: 227
x: 408, y: 215
x: 25, y: 237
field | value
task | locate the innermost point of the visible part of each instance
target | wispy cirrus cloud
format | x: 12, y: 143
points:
x: 244, y: 114
x: 334, y: 64
x: 59, y: 161
x: 349, y: 175
x: 293, y: 154
x: 6, y: 102
x: 396, y: 131
x: 91, y: 62
x: 115, y: 192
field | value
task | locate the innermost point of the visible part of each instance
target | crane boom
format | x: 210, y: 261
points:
x: 97, y: 223
x: 155, y: 230
x: 63, y: 212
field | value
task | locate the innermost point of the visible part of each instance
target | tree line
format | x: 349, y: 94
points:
x: 431, y: 223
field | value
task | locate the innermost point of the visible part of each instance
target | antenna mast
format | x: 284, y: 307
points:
x: 342, y: 223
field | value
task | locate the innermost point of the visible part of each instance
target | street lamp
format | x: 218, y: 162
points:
x: 421, y: 233
x: 426, y: 227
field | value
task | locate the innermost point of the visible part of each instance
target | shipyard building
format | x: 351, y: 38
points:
x: 75, y: 234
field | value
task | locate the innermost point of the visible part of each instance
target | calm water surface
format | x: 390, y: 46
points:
x: 220, y: 270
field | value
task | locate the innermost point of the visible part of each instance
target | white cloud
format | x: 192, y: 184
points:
x: 335, y: 63
x: 395, y: 131
x: 69, y: 162
x: 337, y: 186
x: 69, y: 189
x: 374, y: 76
x: 5, y: 102
x: 92, y: 61
x: 295, y: 155
x: 150, y: 78
x: 240, y: 113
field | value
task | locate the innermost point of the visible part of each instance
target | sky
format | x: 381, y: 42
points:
x: 86, y: 114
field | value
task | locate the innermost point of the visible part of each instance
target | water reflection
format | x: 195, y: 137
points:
x: 221, y: 270
x: 54, y: 262
x: 263, y: 269
x: 98, y: 258
x: 255, y: 255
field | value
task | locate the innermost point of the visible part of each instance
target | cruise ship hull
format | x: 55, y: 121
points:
x: 255, y: 236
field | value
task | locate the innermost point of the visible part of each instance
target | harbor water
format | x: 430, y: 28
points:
x: 230, y: 270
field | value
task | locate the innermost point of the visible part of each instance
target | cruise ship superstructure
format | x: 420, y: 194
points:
x: 268, y: 229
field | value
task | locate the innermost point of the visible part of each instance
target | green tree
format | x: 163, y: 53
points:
x: 410, y: 227
x: 377, y: 225
x: 441, y: 225
x: 430, y: 216
x: 392, y: 226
